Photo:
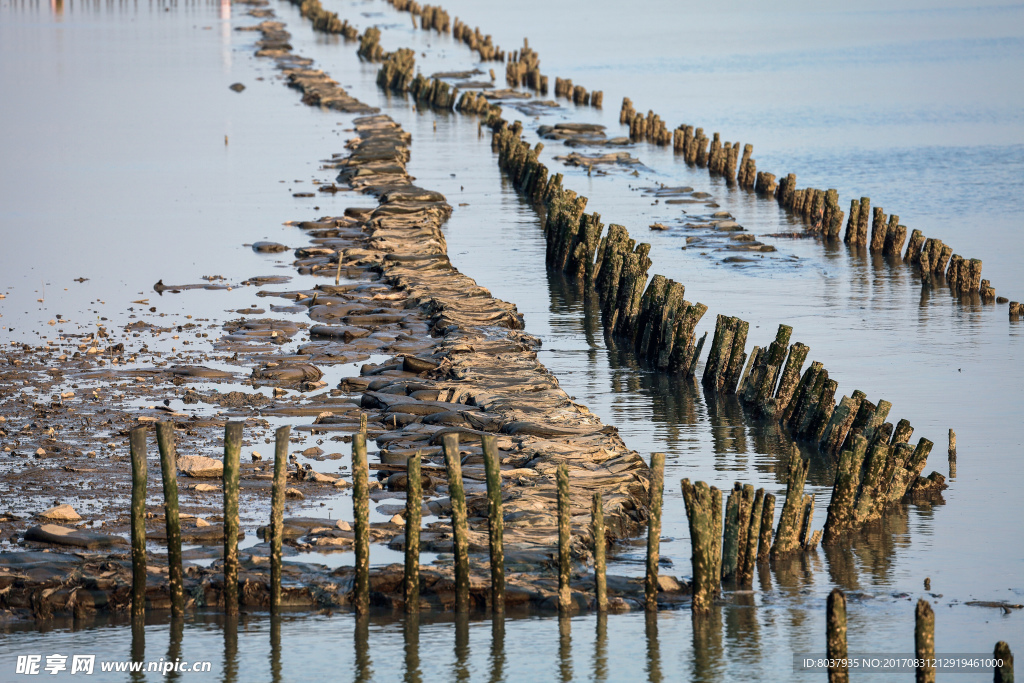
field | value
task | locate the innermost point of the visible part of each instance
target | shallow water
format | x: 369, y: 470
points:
x: 120, y: 158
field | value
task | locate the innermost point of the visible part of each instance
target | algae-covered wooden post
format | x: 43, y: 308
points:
x: 232, y: 450
x: 704, y: 513
x: 564, y: 593
x: 413, y: 520
x: 277, y: 514
x: 764, y: 543
x: 654, y: 530
x: 1004, y: 665
x: 787, y: 536
x: 844, y: 491
x: 835, y: 643
x: 730, y: 535
x: 924, y: 641
x: 600, y: 579
x: 495, y: 523
x: 137, y: 442
x: 361, y: 513
x: 745, y: 570
x: 168, y: 469
x: 460, y: 534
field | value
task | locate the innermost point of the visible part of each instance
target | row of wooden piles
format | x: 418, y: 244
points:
x: 653, y: 315
x: 577, y: 94
x: 818, y: 208
x: 324, y: 21
x: 432, y: 17
x: 772, y: 382
x: 397, y: 74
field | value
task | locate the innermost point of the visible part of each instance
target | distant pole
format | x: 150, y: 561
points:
x: 654, y: 530
x: 496, y: 523
x: 361, y: 511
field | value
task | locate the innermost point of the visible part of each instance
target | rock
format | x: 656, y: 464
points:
x: 343, y: 525
x: 312, y: 452
x: 398, y: 520
x: 237, y: 87
x: 62, y: 535
x: 668, y: 584
x: 256, y: 457
x: 319, y: 477
x: 200, y: 522
x: 268, y: 247
x: 659, y: 226
x: 341, y: 484
x: 206, y: 488
x: 61, y: 513
x: 40, y: 452
x: 294, y: 493
x: 199, y: 466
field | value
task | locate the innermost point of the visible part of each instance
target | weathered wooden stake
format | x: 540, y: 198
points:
x: 924, y: 641
x: 600, y: 579
x: 137, y: 441
x: 232, y: 451
x: 361, y: 513
x: 835, y: 643
x: 277, y: 514
x: 168, y: 469
x: 460, y: 534
x: 654, y: 530
x: 748, y: 558
x: 413, y: 521
x: 764, y: 543
x: 787, y: 536
x: 704, y: 514
x: 952, y: 444
x: 1004, y: 673
x: 564, y: 558
x: 496, y: 522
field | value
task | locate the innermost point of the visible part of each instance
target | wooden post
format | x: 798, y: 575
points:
x: 168, y: 468
x: 835, y: 642
x: 952, y: 444
x: 361, y: 512
x: 654, y: 530
x: 413, y: 521
x: 496, y: 522
x: 1003, y: 672
x: 600, y: 580
x: 924, y: 641
x: 232, y: 451
x: 764, y: 543
x: 844, y: 491
x: 730, y: 538
x: 277, y: 514
x: 137, y: 441
x: 460, y: 539
x: 748, y: 558
x: 564, y: 558
x: 704, y: 514
x: 787, y: 536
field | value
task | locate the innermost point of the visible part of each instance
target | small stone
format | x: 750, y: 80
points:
x: 256, y: 457
x: 294, y: 493
x: 40, y: 452
x: 63, y: 513
x: 312, y: 452
x: 398, y: 520
x: 341, y: 484
x: 205, y: 488
x: 237, y: 87
x: 268, y: 247
x: 343, y: 525
x: 199, y: 466
x: 200, y: 522
x: 668, y: 584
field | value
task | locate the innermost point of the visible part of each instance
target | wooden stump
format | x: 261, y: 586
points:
x: 704, y: 514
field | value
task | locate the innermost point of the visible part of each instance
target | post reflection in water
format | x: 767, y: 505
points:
x: 707, y: 660
x: 564, y: 648
x: 230, y: 648
x: 411, y: 634
x: 653, y: 651
x: 741, y: 626
x: 462, y: 646
x: 601, y: 648
x: 497, y: 647
x: 138, y: 645
x: 364, y: 663
x: 174, y: 646
x: 275, y: 648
